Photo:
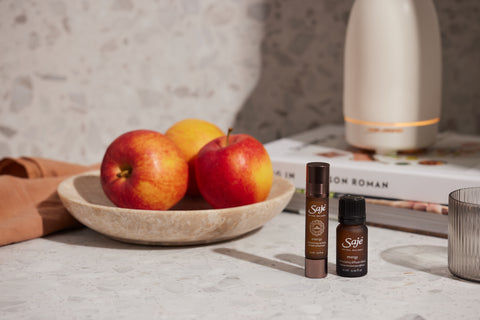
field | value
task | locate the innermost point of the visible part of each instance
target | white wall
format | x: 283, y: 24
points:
x: 76, y: 74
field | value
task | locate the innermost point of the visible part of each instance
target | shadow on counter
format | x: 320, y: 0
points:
x: 294, y: 266
x: 87, y: 237
x: 429, y: 259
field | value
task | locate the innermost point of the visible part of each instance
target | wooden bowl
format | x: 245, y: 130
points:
x: 192, y: 221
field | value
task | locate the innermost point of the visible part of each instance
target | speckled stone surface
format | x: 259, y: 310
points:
x: 75, y: 75
x: 82, y: 274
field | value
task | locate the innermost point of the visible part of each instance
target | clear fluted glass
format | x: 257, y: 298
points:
x: 464, y: 233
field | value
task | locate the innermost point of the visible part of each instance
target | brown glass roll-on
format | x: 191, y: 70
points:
x: 316, y: 219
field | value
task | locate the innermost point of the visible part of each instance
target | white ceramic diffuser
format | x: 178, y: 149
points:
x: 392, y: 75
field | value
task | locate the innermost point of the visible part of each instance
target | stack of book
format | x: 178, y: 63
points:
x: 405, y: 183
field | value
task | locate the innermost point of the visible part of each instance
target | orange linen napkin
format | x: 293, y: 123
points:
x: 29, y: 204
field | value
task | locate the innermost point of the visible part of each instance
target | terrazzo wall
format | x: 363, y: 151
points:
x: 76, y: 74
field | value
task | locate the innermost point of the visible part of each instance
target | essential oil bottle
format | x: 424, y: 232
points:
x: 352, y: 237
x: 316, y: 219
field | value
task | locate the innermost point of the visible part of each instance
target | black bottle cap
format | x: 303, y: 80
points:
x: 351, y: 209
x: 318, y: 178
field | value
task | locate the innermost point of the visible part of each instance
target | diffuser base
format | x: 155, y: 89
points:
x: 386, y: 139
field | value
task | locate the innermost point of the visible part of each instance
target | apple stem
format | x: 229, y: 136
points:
x: 123, y: 174
x: 228, y: 134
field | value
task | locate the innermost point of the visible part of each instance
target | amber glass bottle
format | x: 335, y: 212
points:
x: 352, y: 237
x: 316, y: 219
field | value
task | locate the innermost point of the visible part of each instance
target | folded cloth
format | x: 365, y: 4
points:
x: 29, y: 204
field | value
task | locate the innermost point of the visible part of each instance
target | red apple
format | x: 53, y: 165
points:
x: 234, y: 170
x: 144, y: 169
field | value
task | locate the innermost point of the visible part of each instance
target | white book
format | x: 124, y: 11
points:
x: 453, y: 162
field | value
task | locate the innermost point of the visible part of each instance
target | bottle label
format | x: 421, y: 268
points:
x: 351, y: 252
x: 316, y: 228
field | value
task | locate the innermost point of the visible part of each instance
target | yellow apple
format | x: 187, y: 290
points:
x: 190, y: 135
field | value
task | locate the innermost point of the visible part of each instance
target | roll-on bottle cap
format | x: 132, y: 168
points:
x: 318, y: 176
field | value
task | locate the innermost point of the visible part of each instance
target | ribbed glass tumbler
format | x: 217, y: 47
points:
x: 464, y: 233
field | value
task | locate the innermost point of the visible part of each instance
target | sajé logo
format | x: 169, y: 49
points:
x: 349, y: 242
x: 314, y: 209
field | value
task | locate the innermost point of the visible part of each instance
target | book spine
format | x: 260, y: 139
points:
x: 398, y: 185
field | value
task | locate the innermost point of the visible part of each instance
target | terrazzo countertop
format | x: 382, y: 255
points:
x: 81, y: 274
